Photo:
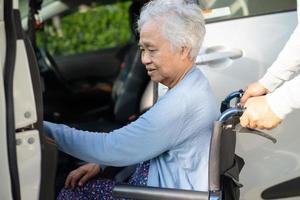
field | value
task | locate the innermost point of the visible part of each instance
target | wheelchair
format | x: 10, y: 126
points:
x: 224, y: 165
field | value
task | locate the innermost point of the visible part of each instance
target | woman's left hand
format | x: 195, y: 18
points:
x: 82, y: 174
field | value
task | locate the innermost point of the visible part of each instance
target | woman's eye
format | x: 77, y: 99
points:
x: 152, y: 50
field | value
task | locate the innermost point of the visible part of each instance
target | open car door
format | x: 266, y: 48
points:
x: 26, y: 160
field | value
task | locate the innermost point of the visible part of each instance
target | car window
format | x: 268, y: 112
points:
x: 86, y: 28
x: 217, y: 10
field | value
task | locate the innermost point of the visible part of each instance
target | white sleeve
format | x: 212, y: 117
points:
x: 287, y: 63
x: 286, y: 98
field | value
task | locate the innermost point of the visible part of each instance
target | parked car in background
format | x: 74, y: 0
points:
x: 80, y: 75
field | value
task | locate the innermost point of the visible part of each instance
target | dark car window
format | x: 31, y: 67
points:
x: 86, y: 28
x: 217, y: 10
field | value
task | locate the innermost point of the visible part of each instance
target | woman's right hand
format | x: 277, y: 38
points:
x: 82, y: 174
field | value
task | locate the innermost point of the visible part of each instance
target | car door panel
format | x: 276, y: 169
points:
x: 21, y: 103
x: 48, y: 151
x: 270, y: 30
x: 29, y: 154
x: 260, y: 38
x: 5, y: 189
x: 8, y: 129
x: 2, y: 41
x: 24, y: 104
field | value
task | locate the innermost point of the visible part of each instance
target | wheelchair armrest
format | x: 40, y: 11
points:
x: 153, y: 193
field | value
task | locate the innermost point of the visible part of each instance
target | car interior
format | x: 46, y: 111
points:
x: 94, y: 90
x: 94, y: 85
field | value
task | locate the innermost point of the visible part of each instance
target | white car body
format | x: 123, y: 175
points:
x: 267, y: 164
x: 260, y: 39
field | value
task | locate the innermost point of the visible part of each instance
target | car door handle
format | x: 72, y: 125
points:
x: 207, y: 58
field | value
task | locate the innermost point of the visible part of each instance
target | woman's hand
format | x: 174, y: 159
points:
x: 50, y: 140
x: 82, y: 174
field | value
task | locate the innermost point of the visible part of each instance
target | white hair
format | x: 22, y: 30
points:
x: 181, y: 22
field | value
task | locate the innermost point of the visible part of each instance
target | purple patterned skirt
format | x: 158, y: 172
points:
x: 101, y: 189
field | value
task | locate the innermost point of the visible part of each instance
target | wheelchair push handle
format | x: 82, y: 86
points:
x: 230, y: 113
x: 238, y: 111
x: 225, y: 104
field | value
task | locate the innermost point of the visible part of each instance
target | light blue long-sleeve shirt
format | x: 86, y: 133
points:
x: 174, y: 134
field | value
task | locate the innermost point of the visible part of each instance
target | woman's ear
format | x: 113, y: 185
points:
x: 185, y: 52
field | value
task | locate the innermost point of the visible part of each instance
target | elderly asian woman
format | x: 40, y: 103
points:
x: 170, y: 142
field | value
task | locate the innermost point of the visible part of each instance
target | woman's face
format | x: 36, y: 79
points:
x: 164, y: 63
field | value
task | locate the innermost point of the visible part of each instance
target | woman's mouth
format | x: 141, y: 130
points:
x: 150, y: 71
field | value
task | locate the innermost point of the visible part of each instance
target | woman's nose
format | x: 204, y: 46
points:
x: 145, y: 58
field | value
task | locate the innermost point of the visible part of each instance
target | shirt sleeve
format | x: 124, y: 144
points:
x: 287, y: 63
x: 149, y: 136
x: 286, y: 98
